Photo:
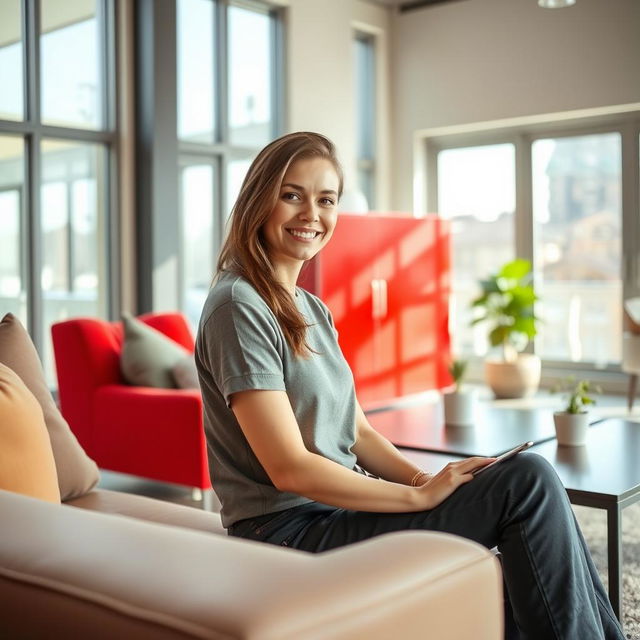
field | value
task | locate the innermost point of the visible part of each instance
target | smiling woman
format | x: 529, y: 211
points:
x: 303, y: 220
x: 293, y: 457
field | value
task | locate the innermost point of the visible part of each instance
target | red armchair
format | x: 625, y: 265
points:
x: 143, y: 431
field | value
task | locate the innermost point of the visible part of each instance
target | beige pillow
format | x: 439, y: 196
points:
x: 148, y: 356
x: 26, y: 459
x: 77, y: 473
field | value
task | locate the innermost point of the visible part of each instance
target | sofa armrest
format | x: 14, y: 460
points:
x: 144, y: 430
x: 99, y: 576
x: 149, y: 509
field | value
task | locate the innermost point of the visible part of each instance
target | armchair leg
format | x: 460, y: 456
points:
x: 631, y: 394
x: 209, y: 500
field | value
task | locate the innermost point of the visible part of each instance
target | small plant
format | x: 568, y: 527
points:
x: 577, y: 394
x: 506, y: 303
x: 458, y: 369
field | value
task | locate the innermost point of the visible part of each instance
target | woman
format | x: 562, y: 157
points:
x: 294, y: 460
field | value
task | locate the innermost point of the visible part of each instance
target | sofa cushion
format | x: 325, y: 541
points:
x: 148, y: 356
x: 77, y: 473
x: 26, y: 459
x: 185, y: 373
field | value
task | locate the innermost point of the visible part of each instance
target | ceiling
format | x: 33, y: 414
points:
x: 408, y: 5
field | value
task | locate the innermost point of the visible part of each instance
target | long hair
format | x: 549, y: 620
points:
x: 245, y: 252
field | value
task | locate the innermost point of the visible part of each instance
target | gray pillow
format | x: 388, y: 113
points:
x: 185, y: 373
x: 148, y: 356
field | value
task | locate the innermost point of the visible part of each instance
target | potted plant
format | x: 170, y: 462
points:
x: 573, y: 421
x: 506, y: 304
x: 459, y: 404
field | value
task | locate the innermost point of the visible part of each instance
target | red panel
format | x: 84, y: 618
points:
x: 407, y: 349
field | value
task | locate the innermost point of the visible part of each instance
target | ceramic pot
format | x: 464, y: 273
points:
x: 460, y: 408
x: 571, y: 428
x: 517, y: 379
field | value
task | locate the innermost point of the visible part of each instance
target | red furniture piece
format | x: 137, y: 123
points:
x: 143, y: 431
x: 386, y: 279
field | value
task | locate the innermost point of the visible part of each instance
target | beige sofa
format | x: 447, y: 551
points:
x: 106, y: 564
x: 68, y: 572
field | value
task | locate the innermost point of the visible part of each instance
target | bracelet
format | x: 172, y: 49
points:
x: 419, y: 474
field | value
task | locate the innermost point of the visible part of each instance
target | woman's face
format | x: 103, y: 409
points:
x: 303, y: 220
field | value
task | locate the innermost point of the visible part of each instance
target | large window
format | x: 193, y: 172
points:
x: 559, y: 196
x: 56, y: 138
x: 229, y: 99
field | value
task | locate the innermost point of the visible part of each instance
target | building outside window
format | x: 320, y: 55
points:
x: 56, y: 140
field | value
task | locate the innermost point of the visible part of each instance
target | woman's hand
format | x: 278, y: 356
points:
x: 440, y: 486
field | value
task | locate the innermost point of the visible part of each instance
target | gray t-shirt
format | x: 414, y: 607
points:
x: 240, y: 346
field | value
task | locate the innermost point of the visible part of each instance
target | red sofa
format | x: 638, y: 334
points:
x: 143, y: 431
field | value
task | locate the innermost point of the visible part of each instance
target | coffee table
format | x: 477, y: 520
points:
x: 603, y: 474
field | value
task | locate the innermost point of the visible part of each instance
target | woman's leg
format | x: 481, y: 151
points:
x: 519, y: 506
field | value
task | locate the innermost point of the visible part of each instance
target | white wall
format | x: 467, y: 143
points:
x: 478, y: 60
x: 320, y: 76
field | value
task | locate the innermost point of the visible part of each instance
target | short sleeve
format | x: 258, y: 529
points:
x: 243, y: 347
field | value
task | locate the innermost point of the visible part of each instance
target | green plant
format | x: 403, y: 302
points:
x: 577, y: 394
x: 506, y: 303
x: 458, y: 369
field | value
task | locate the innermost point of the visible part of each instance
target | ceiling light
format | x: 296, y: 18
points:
x: 555, y: 4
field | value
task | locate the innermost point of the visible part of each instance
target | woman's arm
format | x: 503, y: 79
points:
x: 378, y: 456
x: 270, y: 427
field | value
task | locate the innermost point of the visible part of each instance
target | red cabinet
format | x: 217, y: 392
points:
x: 386, y: 280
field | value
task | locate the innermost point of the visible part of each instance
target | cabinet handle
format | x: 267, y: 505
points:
x: 374, y: 298
x: 379, y: 305
x: 383, y: 298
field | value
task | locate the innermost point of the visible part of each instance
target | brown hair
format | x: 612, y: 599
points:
x: 245, y: 251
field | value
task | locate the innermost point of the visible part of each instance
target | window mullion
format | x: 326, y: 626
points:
x: 221, y: 67
x: 630, y: 209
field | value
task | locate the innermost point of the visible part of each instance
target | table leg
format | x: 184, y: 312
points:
x: 614, y: 557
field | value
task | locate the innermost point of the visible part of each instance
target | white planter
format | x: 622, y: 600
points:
x: 460, y: 408
x: 571, y: 428
x: 517, y: 379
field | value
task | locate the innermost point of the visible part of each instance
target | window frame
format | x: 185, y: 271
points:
x: 222, y: 151
x: 367, y: 118
x: 33, y: 131
x: 522, y: 133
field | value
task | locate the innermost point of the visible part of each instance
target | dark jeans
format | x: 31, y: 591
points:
x: 519, y: 506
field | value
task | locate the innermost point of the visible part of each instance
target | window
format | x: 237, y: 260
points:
x: 577, y: 212
x: 55, y: 126
x: 229, y: 106
x: 477, y: 192
x: 12, y: 246
x: 365, y: 88
x: 555, y: 193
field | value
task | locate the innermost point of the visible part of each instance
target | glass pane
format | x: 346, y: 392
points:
x: 13, y: 296
x: 250, y: 69
x: 577, y: 211
x: 236, y: 171
x: 365, y: 95
x: 364, y: 52
x: 197, y: 238
x: 71, y: 54
x: 476, y: 191
x: 196, y: 120
x: 11, y: 67
x: 74, y: 264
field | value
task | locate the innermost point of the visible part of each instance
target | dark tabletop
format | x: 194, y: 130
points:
x: 605, y: 470
x: 495, y: 430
